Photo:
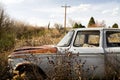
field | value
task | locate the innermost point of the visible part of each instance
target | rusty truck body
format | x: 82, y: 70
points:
x: 98, y: 47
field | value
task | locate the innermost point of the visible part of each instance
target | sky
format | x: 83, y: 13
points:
x: 43, y: 12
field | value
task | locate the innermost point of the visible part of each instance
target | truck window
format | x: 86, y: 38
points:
x: 113, y: 39
x: 87, y: 39
x: 65, y: 42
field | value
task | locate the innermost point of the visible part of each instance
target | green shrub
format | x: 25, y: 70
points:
x: 7, y: 42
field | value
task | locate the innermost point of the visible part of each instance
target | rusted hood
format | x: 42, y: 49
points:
x: 46, y: 49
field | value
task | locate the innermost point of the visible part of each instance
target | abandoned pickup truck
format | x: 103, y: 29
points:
x: 96, y: 48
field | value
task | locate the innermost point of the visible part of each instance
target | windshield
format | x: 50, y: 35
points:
x: 65, y: 42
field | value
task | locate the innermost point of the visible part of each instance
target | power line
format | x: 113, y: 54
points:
x: 65, y: 6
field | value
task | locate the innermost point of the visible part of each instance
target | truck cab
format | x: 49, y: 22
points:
x: 99, y: 47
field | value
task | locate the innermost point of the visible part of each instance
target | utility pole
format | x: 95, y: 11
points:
x: 65, y: 15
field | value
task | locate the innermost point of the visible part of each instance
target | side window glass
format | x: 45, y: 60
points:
x: 79, y: 41
x: 113, y: 39
x: 87, y: 39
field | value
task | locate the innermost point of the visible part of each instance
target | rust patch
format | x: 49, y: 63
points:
x: 22, y: 53
x: 36, y: 50
x: 43, y: 51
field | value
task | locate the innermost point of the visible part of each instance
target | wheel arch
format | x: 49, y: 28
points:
x: 22, y: 67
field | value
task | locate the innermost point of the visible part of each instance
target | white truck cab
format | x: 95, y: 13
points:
x: 99, y: 47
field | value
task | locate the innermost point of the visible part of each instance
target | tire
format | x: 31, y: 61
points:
x: 31, y: 72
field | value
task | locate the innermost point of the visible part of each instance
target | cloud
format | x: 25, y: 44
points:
x: 49, y: 10
x: 113, y: 11
x: 37, y: 21
x: 106, y: 11
x: 84, y: 7
x: 53, y: 16
x: 79, y: 8
x: 11, y: 1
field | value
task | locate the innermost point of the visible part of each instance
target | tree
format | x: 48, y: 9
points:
x: 115, y: 25
x: 91, y: 22
x: 81, y: 26
x: 59, y: 27
x: 76, y: 25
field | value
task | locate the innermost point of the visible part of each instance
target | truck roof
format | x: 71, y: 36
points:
x: 97, y: 29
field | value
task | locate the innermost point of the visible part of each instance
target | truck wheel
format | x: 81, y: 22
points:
x: 31, y: 72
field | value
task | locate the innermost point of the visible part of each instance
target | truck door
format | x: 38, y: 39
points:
x: 88, y: 46
x: 113, y: 50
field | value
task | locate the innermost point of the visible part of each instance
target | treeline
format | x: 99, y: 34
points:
x: 94, y: 24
